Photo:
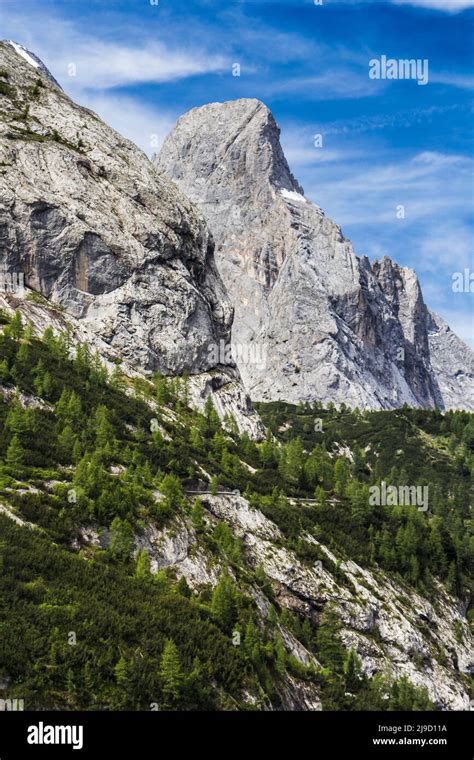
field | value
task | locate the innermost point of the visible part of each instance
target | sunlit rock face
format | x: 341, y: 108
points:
x: 312, y: 319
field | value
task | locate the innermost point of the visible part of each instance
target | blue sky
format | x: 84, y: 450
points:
x: 385, y: 143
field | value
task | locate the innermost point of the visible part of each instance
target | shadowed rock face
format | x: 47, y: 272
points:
x: 323, y: 323
x: 93, y: 227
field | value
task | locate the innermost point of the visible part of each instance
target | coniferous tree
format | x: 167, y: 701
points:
x: 352, y: 672
x: 15, y: 328
x: 66, y: 441
x: 172, y: 491
x: 143, y: 565
x: 291, y: 461
x: 213, y: 422
x: 268, y: 451
x: 341, y: 475
x: 330, y: 649
x: 182, y: 588
x: 197, y: 516
x: 224, y: 603
x: 171, y: 675
x: 123, y: 679
x: 121, y: 539
x: 214, y: 485
x: 4, y: 371
x: 15, y: 452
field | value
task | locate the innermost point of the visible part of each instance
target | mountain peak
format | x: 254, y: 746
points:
x: 32, y: 59
x: 236, y: 141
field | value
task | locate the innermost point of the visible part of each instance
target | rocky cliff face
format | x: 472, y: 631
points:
x: 91, y: 225
x: 312, y: 320
x: 394, y: 630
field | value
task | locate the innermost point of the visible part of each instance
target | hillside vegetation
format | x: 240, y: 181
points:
x: 89, y: 625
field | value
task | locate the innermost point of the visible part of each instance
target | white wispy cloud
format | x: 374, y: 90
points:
x: 401, y: 119
x: 102, y: 65
x: 99, y: 64
x: 368, y: 192
x: 297, y: 155
x: 450, y: 248
x: 463, y: 81
x: 300, y: 150
x: 334, y: 84
x: 450, y: 6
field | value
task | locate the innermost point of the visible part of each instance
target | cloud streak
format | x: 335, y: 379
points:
x: 101, y: 65
x: 368, y: 192
x: 450, y: 6
x: 334, y: 84
x: 446, y: 6
x: 83, y: 60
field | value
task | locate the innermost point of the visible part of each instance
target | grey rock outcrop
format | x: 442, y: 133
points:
x: 92, y: 226
x: 312, y: 319
x: 453, y: 364
x: 33, y: 60
x: 382, y: 620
